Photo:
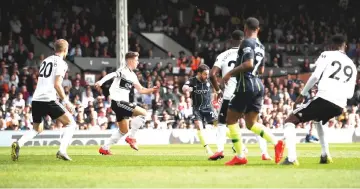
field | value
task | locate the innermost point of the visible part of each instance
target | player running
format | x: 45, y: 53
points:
x: 120, y: 88
x: 225, y: 62
x: 336, y: 76
x: 203, y: 111
x: 44, y: 102
x: 249, y: 94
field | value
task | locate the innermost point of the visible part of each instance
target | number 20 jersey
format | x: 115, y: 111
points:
x: 226, y: 62
x: 51, y: 67
x: 336, y: 75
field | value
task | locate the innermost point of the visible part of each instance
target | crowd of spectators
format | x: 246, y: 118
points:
x: 88, y: 35
x: 294, y: 24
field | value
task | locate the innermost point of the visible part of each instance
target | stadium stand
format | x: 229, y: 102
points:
x: 290, y: 41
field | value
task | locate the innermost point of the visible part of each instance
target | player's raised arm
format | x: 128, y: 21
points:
x: 143, y: 90
x: 321, y: 64
x: 108, y: 77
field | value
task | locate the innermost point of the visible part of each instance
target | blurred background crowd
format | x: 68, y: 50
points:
x: 290, y: 30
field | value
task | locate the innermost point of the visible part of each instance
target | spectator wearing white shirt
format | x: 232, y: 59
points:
x: 15, y: 25
x: 87, y: 98
x: 103, y: 39
x: 142, y: 24
x: 102, y: 120
x: 19, y: 102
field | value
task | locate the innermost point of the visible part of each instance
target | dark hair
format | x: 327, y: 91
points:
x: 338, y: 39
x: 252, y: 23
x: 237, y: 35
x: 131, y: 54
x: 202, y: 68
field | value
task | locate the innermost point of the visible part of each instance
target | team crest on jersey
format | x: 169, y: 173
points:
x: 208, y: 84
x: 247, y: 49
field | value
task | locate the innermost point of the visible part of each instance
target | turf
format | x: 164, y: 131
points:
x: 176, y: 166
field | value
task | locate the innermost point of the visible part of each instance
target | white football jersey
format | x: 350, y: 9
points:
x: 122, y: 84
x: 226, y: 61
x: 51, y: 67
x: 337, y: 77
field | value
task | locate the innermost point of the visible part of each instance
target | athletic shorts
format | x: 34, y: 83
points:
x: 41, y: 109
x: 317, y: 109
x: 248, y: 101
x: 123, y: 110
x: 205, y: 115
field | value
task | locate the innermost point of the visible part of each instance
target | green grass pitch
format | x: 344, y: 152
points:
x: 176, y: 166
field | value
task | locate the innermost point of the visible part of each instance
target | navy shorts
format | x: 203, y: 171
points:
x: 205, y: 115
x: 248, y: 101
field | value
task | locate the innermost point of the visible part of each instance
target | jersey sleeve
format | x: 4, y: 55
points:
x: 118, y: 72
x: 247, y: 51
x: 61, y: 69
x: 219, y: 61
x: 320, y: 64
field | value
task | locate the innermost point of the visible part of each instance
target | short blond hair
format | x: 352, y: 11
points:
x: 61, y: 45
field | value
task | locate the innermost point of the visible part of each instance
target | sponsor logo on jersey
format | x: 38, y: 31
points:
x: 201, y: 91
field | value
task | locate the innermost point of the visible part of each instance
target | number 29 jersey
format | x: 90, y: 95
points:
x: 336, y: 75
x: 226, y: 62
x: 51, y: 67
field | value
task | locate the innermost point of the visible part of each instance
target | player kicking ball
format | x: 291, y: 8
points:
x: 249, y: 93
x: 44, y: 102
x: 225, y: 62
x: 336, y: 76
x: 119, y: 90
x: 203, y: 111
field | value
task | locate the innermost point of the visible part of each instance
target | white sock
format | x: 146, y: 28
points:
x: 221, y: 137
x: 290, y: 140
x: 67, y: 136
x: 26, y: 137
x: 136, y: 123
x: 323, y: 138
x: 115, y: 137
x: 262, y: 144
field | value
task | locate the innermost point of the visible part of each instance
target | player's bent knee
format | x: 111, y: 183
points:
x: 198, y: 124
x: 123, y: 126
x: 38, y: 127
x: 139, y: 111
x: 65, y: 119
x: 251, y: 118
x: 138, y: 120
